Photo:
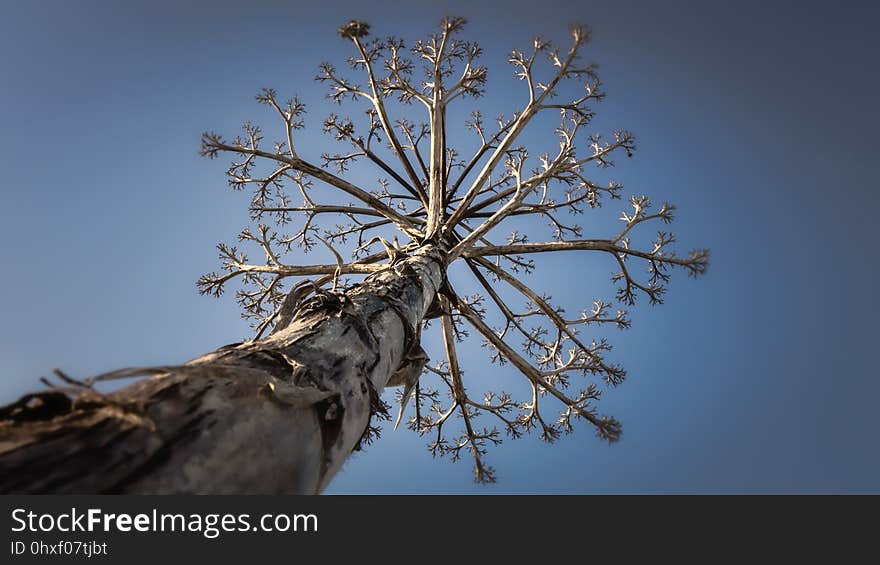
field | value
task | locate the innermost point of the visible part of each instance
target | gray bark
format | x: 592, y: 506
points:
x: 278, y: 415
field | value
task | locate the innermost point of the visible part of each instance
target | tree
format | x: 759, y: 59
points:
x: 293, y: 402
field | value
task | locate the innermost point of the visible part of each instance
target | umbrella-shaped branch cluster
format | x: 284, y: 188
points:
x: 429, y: 193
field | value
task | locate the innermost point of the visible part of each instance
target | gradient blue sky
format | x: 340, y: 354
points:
x: 759, y: 120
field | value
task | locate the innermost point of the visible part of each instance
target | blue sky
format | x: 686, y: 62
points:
x: 757, y: 119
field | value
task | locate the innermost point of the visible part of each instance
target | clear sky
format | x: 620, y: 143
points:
x: 758, y: 119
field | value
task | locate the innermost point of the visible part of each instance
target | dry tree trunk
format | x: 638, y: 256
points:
x: 278, y: 415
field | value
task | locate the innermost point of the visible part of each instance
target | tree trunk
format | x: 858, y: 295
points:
x: 278, y: 415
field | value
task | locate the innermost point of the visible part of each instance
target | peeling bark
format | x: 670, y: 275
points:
x: 275, y: 416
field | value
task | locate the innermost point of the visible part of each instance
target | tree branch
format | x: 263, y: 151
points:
x: 579, y: 36
x: 212, y: 144
x: 696, y: 263
x: 379, y: 105
x: 607, y: 428
x: 483, y: 474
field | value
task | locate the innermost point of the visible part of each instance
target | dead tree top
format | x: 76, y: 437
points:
x: 432, y: 192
